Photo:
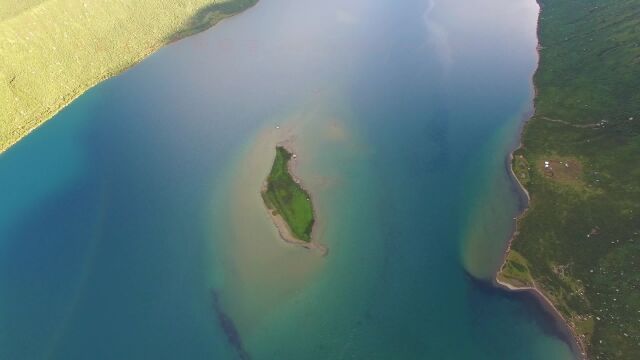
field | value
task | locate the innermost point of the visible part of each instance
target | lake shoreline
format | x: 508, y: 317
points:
x: 50, y: 112
x: 576, y: 344
x: 573, y: 340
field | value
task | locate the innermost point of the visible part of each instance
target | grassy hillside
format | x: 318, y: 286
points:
x: 579, y: 242
x: 11, y: 8
x: 53, y: 50
x: 287, y: 198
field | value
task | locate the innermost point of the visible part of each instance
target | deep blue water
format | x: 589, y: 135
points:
x: 115, y: 224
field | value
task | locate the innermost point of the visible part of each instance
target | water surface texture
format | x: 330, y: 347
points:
x: 131, y: 224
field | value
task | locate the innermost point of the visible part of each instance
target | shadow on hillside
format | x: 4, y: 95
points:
x: 209, y: 15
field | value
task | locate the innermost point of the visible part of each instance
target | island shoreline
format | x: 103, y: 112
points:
x: 281, y: 225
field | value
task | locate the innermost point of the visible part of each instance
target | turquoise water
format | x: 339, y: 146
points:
x: 131, y: 224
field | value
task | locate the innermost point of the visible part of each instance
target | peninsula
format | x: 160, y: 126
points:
x: 288, y: 203
x: 51, y: 51
x: 578, y: 243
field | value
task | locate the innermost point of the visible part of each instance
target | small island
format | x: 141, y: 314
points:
x: 288, y: 203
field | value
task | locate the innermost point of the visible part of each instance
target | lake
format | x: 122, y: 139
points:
x: 131, y: 224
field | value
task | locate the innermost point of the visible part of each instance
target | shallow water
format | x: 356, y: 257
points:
x: 123, y: 214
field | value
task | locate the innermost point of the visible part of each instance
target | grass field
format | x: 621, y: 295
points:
x: 51, y: 51
x: 515, y: 270
x: 580, y: 238
x: 284, y: 196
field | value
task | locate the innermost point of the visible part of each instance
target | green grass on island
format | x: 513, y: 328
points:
x: 51, y: 51
x: 285, y: 197
x: 579, y: 242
